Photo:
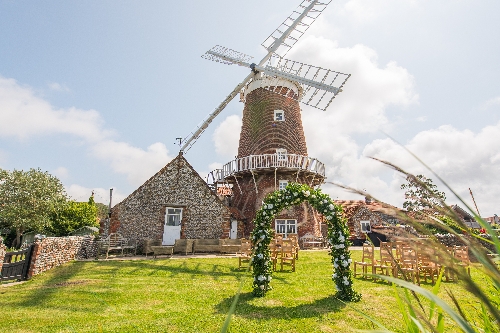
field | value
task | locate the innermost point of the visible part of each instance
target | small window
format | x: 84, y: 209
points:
x: 281, y: 154
x: 279, y: 115
x: 286, y: 227
x: 173, y: 216
x: 283, y: 184
x: 365, y: 227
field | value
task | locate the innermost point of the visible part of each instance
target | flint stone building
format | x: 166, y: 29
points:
x: 175, y: 203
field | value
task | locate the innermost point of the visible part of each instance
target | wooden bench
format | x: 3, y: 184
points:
x: 115, y: 242
x: 148, y: 243
x: 229, y: 245
x: 206, y: 245
x: 162, y: 250
x: 183, y: 246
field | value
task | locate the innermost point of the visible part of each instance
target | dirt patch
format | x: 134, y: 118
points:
x: 69, y: 283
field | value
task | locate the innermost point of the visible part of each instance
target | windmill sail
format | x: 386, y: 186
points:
x: 278, y: 43
x: 319, y: 85
x: 289, y: 32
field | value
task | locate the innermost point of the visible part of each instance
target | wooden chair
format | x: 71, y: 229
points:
x: 287, y: 254
x: 409, y: 264
x: 387, y: 261
x: 245, y: 253
x: 368, y: 260
x: 427, y: 262
x: 279, y: 240
x: 461, y: 253
x: 400, y: 245
x: 274, y: 253
x: 295, y: 242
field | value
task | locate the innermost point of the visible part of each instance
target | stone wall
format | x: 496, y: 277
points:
x: 142, y: 214
x: 3, y: 250
x: 51, y: 252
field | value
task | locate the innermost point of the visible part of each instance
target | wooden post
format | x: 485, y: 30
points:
x: 3, y: 251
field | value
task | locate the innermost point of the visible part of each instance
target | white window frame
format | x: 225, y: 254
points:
x: 287, y: 226
x: 279, y: 115
x: 363, y: 226
x: 176, y: 211
x: 282, y: 184
x: 281, y: 152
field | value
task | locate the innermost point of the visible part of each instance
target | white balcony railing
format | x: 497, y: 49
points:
x: 267, y: 161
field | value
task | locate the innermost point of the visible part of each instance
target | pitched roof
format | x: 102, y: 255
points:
x: 179, y: 162
x: 351, y: 206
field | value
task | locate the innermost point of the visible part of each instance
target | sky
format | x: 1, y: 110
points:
x: 96, y: 92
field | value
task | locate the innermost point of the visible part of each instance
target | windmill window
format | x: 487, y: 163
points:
x: 365, y: 227
x: 281, y: 154
x: 283, y: 184
x: 173, y: 216
x: 279, y: 115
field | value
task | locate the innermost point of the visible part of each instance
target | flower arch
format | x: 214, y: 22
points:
x: 338, y: 237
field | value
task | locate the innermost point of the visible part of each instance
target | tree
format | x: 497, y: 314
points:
x: 28, y: 199
x: 422, y: 196
x: 72, y: 216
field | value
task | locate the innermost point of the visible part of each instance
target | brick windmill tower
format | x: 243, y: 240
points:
x: 272, y: 148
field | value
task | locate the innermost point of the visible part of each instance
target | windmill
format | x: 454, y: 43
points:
x: 272, y: 149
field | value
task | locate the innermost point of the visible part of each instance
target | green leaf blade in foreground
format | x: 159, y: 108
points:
x: 459, y: 320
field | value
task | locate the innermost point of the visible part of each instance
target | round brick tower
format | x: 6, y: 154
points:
x: 271, y: 121
x: 272, y: 152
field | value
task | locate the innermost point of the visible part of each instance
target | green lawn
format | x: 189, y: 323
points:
x: 194, y: 295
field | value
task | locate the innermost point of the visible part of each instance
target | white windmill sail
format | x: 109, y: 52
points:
x: 280, y: 41
x: 319, y: 85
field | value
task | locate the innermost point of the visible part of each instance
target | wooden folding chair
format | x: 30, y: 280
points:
x: 387, y: 261
x: 409, y: 264
x: 274, y: 253
x: 461, y: 253
x: 428, y: 262
x: 368, y: 260
x: 245, y: 253
x: 287, y: 254
x: 295, y: 242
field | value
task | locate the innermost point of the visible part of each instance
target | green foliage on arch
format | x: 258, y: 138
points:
x: 338, y: 238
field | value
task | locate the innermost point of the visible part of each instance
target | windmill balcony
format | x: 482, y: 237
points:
x: 267, y: 163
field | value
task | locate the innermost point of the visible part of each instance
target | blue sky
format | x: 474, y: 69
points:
x: 97, y: 91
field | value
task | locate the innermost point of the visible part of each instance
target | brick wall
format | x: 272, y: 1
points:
x: 142, y: 214
x: 260, y: 134
x: 250, y: 200
x: 51, y: 252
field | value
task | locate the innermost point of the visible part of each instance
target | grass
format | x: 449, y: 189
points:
x: 194, y: 295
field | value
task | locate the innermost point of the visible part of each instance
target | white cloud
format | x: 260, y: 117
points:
x: 82, y: 193
x: 137, y: 164
x: 362, y: 11
x: 227, y: 136
x: 366, y: 95
x: 464, y: 159
x: 24, y: 115
x: 61, y: 172
x: 491, y: 103
x: 58, y: 87
x: 360, y: 108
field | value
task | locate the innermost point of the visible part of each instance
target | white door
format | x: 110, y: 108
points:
x: 234, y: 229
x: 172, y: 228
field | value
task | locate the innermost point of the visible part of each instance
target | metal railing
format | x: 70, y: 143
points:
x: 267, y: 161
